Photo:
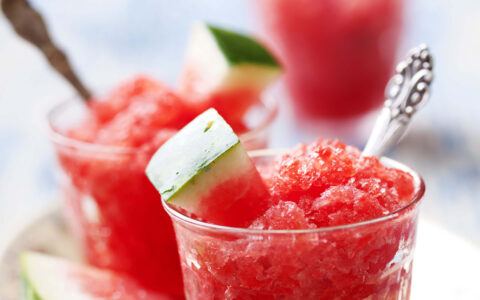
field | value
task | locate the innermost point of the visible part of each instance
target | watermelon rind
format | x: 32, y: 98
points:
x: 203, y: 154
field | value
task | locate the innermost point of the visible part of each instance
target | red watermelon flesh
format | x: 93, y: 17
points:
x: 231, y: 104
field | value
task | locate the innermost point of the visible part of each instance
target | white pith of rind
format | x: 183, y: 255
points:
x: 47, y: 277
x: 252, y: 76
x: 234, y: 163
x: 207, y: 59
x: 204, y: 54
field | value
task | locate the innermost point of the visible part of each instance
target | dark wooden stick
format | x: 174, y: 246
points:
x: 29, y: 24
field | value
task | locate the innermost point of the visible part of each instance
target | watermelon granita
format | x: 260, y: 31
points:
x: 327, y: 222
x: 109, y: 203
x: 103, y: 148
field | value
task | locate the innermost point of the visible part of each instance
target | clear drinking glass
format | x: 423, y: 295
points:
x: 114, y: 211
x: 367, y: 260
x: 338, y: 54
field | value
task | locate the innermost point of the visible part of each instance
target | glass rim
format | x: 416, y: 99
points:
x: 388, y: 162
x: 268, y: 100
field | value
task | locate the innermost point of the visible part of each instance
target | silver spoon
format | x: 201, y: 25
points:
x: 406, y: 93
x: 29, y: 24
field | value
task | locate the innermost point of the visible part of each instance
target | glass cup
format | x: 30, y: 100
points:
x: 338, y: 54
x: 367, y: 260
x: 114, y: 211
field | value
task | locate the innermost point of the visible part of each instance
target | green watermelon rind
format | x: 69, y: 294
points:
x: 224, y: 60
x: 28, y: 290
x: 28, y: 293
x: 241, y: 49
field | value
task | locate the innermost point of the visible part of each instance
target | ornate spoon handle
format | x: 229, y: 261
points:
x: 406, y: 93
x: 29, y: 24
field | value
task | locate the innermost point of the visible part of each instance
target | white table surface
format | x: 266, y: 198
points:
x: 445, y: 266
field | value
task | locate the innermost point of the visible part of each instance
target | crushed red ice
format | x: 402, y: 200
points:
x: 144, y: 113
x: 327, y: 183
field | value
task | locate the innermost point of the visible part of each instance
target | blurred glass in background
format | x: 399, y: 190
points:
x: 338, y: 55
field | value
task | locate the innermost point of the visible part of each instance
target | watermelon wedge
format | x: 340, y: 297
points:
x: 226, y: 70
x: 48, y: 278
x: 205, y: 171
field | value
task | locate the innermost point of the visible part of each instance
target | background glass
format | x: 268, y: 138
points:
x: 338, y: 54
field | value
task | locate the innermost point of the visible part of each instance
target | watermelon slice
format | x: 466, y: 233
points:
x: 226, y: 70
x: 48, y: 278
x: 205, y: 171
